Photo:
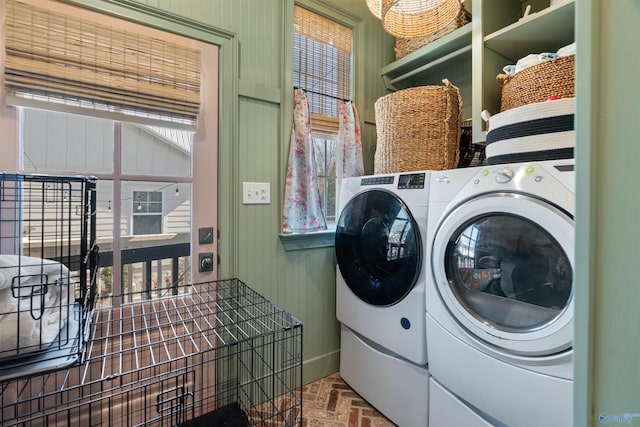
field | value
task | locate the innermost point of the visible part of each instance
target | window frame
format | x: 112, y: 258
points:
x: 325, y: 177
x: 325, y: 238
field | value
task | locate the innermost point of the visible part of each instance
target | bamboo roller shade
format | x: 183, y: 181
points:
x: 64, y: 57
x: 323, y: 66
x: 322, y: 29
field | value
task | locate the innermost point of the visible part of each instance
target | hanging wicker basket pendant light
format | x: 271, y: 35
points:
x: 416, y: 18
x: 375, y: 6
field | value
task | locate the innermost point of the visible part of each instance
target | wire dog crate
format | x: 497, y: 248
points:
x: 48, y: 263
x: 216, y: 354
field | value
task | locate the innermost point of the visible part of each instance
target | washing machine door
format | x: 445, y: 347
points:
x: 503, y: 264
x: 378, y: 247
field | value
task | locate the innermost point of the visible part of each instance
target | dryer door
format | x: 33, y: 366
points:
x: 378, y: 247
x: 503, y: 264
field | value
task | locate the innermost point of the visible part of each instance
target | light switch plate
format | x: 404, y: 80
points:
x: 256, y: 193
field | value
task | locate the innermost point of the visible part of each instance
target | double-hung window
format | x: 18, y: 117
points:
x: 147, y: 212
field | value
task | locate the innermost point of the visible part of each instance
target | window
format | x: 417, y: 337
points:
x: 322, y: 67
x: 325, y: 146
x: 143, y: 214
x: 147, y: 212
x: 141, y: 152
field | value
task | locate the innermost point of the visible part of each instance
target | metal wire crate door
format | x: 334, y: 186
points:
x: 48, y: 261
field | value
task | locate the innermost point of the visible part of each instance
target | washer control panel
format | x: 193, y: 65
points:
x: 504, y: 175
x: 408, y: 181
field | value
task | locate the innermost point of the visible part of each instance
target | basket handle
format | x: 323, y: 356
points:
x: 503, y: 79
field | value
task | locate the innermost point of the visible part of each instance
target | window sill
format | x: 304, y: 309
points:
x: 300, y: 241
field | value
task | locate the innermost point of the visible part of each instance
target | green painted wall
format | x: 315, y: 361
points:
x: 254, y: 140
x: 607, y: 212
x: 303, y: 281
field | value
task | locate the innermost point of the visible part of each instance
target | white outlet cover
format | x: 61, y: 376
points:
x: 256, y: 193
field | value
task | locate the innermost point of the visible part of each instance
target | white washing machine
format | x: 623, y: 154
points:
x: 380, y: 292
x: 500, y: 296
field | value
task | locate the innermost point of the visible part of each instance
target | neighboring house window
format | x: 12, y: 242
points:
x: 147, y: 212
x: 322, y: 60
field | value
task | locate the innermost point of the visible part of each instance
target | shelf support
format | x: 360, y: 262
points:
x: 390, y: 84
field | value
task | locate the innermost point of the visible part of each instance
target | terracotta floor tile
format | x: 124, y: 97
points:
x: 329, y: 402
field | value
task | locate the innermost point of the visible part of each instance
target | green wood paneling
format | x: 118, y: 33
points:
x: 607, y: 295
x: 302, y: 282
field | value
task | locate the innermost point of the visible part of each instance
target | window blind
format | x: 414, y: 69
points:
x: 65, y: 60
x: 321, y: 65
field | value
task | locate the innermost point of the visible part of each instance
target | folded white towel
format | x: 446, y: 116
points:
x: 569, y: 49
x: 9, y: 269
x: 18, y: 270
x: 533, y: 59
x: 529, y: 60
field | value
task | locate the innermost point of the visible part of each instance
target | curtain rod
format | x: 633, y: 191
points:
x: 323, y: 94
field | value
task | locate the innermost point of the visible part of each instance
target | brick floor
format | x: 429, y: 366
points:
x: 329, y: 402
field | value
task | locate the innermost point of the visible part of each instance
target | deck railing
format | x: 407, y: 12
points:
x: 144, y: 274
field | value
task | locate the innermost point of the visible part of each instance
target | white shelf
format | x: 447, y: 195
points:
x: 427, y: 61
x: 543, y: 31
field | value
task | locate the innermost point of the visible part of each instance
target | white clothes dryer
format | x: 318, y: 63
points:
x: 500, y: 296
x: 380, y: 300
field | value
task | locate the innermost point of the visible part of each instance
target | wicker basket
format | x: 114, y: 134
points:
x: 538, y: 82
x: 418, y: 129
x: 417, y: 18
x: 405, y: 46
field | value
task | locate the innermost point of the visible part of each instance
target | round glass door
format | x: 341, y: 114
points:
x: 378, y: 247
x: 504, y: 270
x: 515, y: 260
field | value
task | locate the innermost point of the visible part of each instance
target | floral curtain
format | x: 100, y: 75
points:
x: 349, y: 142
x: 349, y: 145
x: 302, y: 209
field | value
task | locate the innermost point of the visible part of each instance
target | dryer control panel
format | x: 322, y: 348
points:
x: 411, y: 181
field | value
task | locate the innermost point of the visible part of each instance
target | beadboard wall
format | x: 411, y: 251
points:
x: 256, y: 148
x: 253, y: 133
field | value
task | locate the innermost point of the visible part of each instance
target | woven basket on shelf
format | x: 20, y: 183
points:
x: 552, y: 78
x: 406, y: 45
x: 418, y: 129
